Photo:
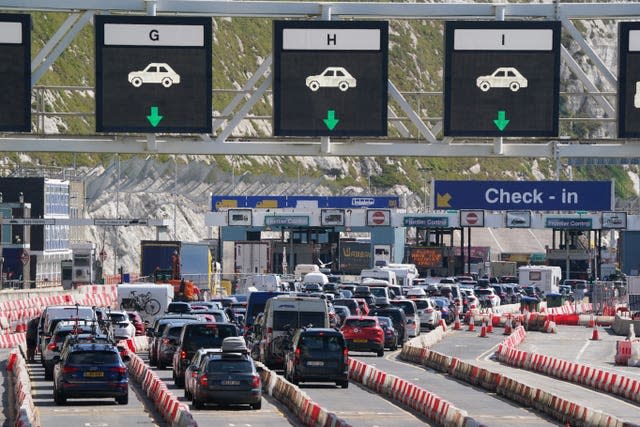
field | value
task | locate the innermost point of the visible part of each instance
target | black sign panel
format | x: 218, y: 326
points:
x: 629, y: 80
x: 330, y: 78
x: 501, y: 78
x: 153, y: 74
x: 15, y: 72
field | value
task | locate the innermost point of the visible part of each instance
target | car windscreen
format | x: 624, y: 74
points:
x: 229, y: 366
x: 297, y: 319
x: 360, y: 323
x: 92, y: 358
x: 174, y: 331
x: 406, y: 306
x: 208, y: 335
x: 379, y: 292
x: 421, y: 304
x: 483, y: 292
x: 319, y: 344
x: 117, y: 317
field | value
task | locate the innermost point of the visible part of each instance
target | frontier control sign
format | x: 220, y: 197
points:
x: 524, y: 195
x: 330, y: 78
x: 153, y: 74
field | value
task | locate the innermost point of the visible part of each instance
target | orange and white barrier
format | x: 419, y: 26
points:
x: 25, y: 413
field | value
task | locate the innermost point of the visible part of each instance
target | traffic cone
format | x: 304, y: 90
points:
x: 595, y: 336
x: 490, y: 327
x: 592, y: 322
x: 472, y: 326
x: 507, y: 326
x: 483, y: 330
x: 456, y: 323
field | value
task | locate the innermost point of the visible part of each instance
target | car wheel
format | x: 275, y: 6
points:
x: 394, y: 347
x: 48, y: 374
x: 257, y: 405
x: 484, y: 86
x: 187, y: 394
x: 197, y: 404
x: 294, y: 380
x: 59, y: 398
x: 166, y: 82
x: 314, y: 86
x: 179, y: 382
x: 343, y: 86
x: 514, y: 86
x: 343, y: 384
x: 136, y: 82
x: 380, y: 353
x: 122, y: 400
x: 161, y: 365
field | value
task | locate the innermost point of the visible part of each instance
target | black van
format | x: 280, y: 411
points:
x: 318, y: 355
x: 399, y: 319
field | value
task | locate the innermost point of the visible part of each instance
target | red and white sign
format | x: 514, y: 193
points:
x: 24, y: 257
x: 469, y: 218
x: 378, y: 217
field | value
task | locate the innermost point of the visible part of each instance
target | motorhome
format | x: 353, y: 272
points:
x: 380, y: 273
x: 405, y: 273
x: 547, y: 278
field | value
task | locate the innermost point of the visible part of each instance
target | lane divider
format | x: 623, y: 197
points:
x: 25, y: 412
x: 574, y: 372
x: 561, y: 409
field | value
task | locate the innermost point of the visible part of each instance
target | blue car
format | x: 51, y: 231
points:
x: 90, y: 370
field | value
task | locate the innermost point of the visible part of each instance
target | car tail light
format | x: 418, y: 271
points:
x: 255, y: 381
x: 429, y: 310
x: 269, y: 330
x: 297, y: 356
x: 165, y: 341
x: 183, y: 354
x: 491, y: 296
x: 204, y: 381
x: 70, y: 369
x: 120, y: 370
x: 52, y: 346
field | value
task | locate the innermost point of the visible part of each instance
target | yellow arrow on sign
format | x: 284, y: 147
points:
x: 442, y: 201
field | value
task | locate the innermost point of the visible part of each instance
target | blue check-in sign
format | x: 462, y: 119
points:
x: 524, y: 195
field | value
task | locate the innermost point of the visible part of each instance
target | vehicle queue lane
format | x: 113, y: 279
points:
x: 272, y: 414
x: 574, y: 343
x: 468, y: 347
x: 484, y: 407
x: 356, y: 405
x: 88, y: 412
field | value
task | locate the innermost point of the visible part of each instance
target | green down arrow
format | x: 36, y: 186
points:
x: 501, y: 122
x: 331, y: 120
x: 154, y: 118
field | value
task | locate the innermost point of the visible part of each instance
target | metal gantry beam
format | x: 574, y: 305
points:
x: 424, y: 144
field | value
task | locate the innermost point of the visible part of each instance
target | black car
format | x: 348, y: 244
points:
x: 168, y: 342
x: 399, y: 319
x: 390, y: 333
x: 318, y: 355
x: 227, y: 377
x: 195, y: 336
x: 90, y: 370
x: 154, y: 333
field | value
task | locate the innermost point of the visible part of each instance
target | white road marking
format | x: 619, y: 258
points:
x: 582, y: 350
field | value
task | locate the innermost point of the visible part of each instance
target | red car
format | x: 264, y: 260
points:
x: 363, y: 333
x: 362, y: 305
x: 137, y: 322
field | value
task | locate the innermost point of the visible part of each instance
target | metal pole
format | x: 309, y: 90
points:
x: 175, y: 196
x: 115, y: 228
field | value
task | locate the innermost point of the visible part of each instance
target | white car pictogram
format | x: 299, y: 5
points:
x: 504, y: 77
x: 331, y: 77
x: 155, y: 72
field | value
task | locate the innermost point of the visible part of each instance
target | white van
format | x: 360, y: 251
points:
x: 302, y: 269
x: 380, y: 273
x: 282, y: 316
x: 54, y: 314
x: 263, y: 282
x: 150, y: 300
x: 405, y: 273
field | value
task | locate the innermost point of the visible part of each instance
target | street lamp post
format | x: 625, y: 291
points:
x: 425, y: 188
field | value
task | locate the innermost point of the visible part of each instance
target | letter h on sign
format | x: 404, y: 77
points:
x: 332, y: 38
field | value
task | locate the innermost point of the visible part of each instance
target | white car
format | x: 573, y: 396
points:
x: 427, y: 312
x: 121, y: 325
x: 503, y: 77
x: 156, y: 72
x: 487, y: 297
x: 331, y: 77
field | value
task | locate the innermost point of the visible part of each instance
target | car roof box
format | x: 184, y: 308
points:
x: 234, y: 345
